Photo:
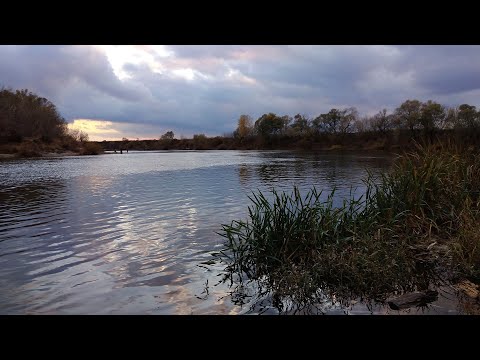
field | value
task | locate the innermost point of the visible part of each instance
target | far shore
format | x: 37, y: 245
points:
x: 42, y: 155
x: 4, y: 156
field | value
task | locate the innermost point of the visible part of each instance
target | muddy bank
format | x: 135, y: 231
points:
x: 42, y: 155
x: 7, y: 156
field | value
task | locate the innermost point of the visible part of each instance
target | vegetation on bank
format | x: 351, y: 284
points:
x: 31, y: 125
x: 416, y: 226
x: 412, y: 121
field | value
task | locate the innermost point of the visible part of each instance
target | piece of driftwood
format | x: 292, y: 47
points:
x: 468, y: 288
x: 418, y: 298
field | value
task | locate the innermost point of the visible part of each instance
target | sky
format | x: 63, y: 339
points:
x: 143, y: 91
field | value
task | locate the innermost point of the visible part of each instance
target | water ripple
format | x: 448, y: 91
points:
x: 124, y: 233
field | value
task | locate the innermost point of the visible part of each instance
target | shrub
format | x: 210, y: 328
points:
x: 29, y: 149
x: 91, y: 148
x: 415, y: 227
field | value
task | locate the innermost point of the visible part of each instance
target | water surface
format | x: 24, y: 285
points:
x: 124, y: 234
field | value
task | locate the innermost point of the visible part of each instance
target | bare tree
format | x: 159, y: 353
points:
x: 169, y: 135
x: 347, y: 119
x: 381, y: 122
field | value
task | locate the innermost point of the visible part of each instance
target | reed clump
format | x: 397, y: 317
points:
x: 415, y: 227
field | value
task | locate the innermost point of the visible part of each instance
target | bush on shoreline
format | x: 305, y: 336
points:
x: 91, y: 148
x: 31, y: 126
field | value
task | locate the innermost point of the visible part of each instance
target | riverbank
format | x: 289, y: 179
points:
x: 36, y: 148
x: 40, y: 155
x: 416, y: 228
x: 391, y: 141
x: 323, y: 143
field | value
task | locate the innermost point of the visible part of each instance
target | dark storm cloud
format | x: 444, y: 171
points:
x: 205, y: 88
x: 309, y: 79
x: 447, y: 69
x: 459, y: 80
x: 51, y: 69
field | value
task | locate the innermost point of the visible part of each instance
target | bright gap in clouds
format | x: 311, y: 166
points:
x: 185, y: 73
x: 119, y: 55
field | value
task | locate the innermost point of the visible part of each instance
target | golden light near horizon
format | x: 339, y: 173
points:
x: 97, y: 130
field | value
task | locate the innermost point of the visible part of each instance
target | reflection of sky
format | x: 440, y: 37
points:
x: 14, y: 173
x: 325, y: 171
x: 125, y: 233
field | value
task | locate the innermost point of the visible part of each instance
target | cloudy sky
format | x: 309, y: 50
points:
x: 143, y: 91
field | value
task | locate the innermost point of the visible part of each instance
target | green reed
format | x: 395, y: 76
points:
x: 415, y: 226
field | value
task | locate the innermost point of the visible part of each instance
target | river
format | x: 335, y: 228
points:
x: 124, y: 234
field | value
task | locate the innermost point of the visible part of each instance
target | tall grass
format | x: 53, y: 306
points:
x: 415, y: 227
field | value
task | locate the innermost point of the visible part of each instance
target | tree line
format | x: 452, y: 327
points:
x: 26, y: 118
x: 342, y: 128
x: 413, y: 116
